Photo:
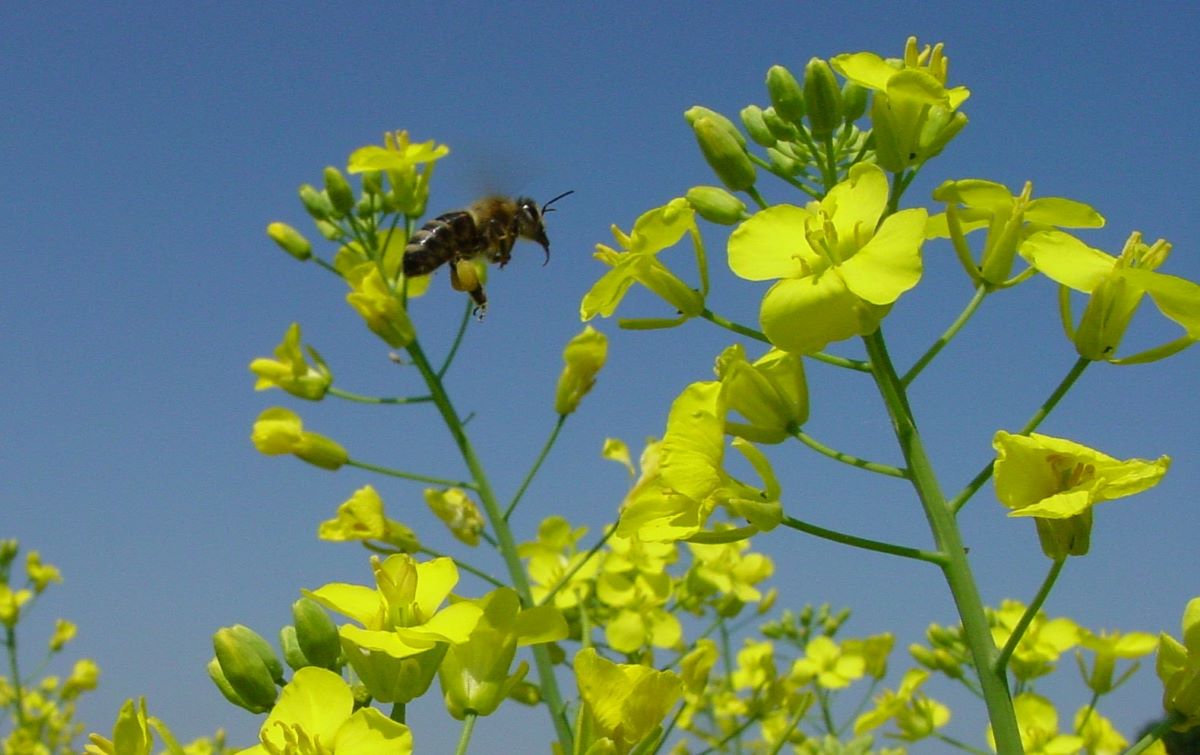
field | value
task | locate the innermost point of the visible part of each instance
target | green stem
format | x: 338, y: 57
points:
x: 464, y: 566
x: 504, y: 536
x: 955, y: 568
x: 836, y: 361
x: 10, y: 646
x: 537, y: 464
x: 945, y: 338
x: 741, y: 330
x: 398, y: 713
x: 960, y: 744
x: 464, y: 739
x: 410, y: 475
x: 1027, y: 618
x: 566, y: 578
x: 348, y: 396
x: 1158, y: 732
x: 845, y: 458
x: 864, y: 543
x: 458, y: 338
x: 1043, y: 411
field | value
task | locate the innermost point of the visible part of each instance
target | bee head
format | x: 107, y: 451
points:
x: 532, y: 220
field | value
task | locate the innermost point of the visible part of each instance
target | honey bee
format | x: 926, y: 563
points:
x: 488, y: 228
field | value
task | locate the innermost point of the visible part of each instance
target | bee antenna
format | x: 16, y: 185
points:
x: 552, y: 201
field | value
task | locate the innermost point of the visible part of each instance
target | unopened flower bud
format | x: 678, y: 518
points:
x: 254, y: 640
x: 246, y: 676
x: 341, y: 196
x: 696, y: 112
x: 372, y: 182
x: 293, y: 656
x: 780, y: 129
x: 941, y: 126
x: 854, y: 101
x: 823, y: 97
x: 725, y: 155
x: 583, y: 356
x: 526, y: 693
x: 329, y: 230
x: 752, y: 120
x: 782, y: 163
x: 315, y: 202
x: 290, y: 240
x: 316, y: 633
x: 786, y: 94
x: 716, y: 205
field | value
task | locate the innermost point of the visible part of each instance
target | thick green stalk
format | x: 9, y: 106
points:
x: 507, y: 545
x: 956, y: 568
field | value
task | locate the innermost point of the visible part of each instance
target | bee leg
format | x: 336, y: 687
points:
x: 464, y: 277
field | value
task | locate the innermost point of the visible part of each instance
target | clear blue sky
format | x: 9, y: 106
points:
x: 145, y: 146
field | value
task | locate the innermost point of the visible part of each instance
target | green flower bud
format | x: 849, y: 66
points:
x: 341, y: 196
x: 526, y: 693
x: 890, y: 152
x: 696, y: 112
x: 752, y: 119
x: 218, y: 677
x: 780, y: 129
x: 724, y: 154
x: 372, y: 182
x: 315, y: 202
x: 782, y: 163
x: 854, y: 101
x: 823, y: 97
x: 254, y: 640
x: 329, y: 230
x: 290, y: 240
x: 8, y: 551
x: 941, y: 126
x: 786, y: 95
x: 293, y: 656
x: 316, y: 633
x: 716, y: 205
x: 923, y: 656
x: 245, y: 672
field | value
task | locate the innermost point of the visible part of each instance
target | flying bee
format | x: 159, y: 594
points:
x: 487, y: 229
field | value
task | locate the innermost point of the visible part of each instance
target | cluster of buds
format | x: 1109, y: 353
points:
x: 805, y: 123
x: 246, y: 669
x: 809, y: 130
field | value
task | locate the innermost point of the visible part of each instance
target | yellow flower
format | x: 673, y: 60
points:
x: 1038, y: 722
x: 315, y: 716
x: 1116, y: 286
x: 1042, y: 644
x: 361, y: 517
x: 290, y: 371
x: 474, y: 674
x: 828, y: 665
x: 838, y: 270
x: 130, y: 735
x: 1108, y: 648
x: 404, y: 630
x: 584, y: 356
x: 637, y: 262
x: 280, y: 431
x: 380, y: 307
x: 626, y: 701
x: 1178, y: 666
x: 1057, y: 482
x: 913, y: 115
x: 459, y: 513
